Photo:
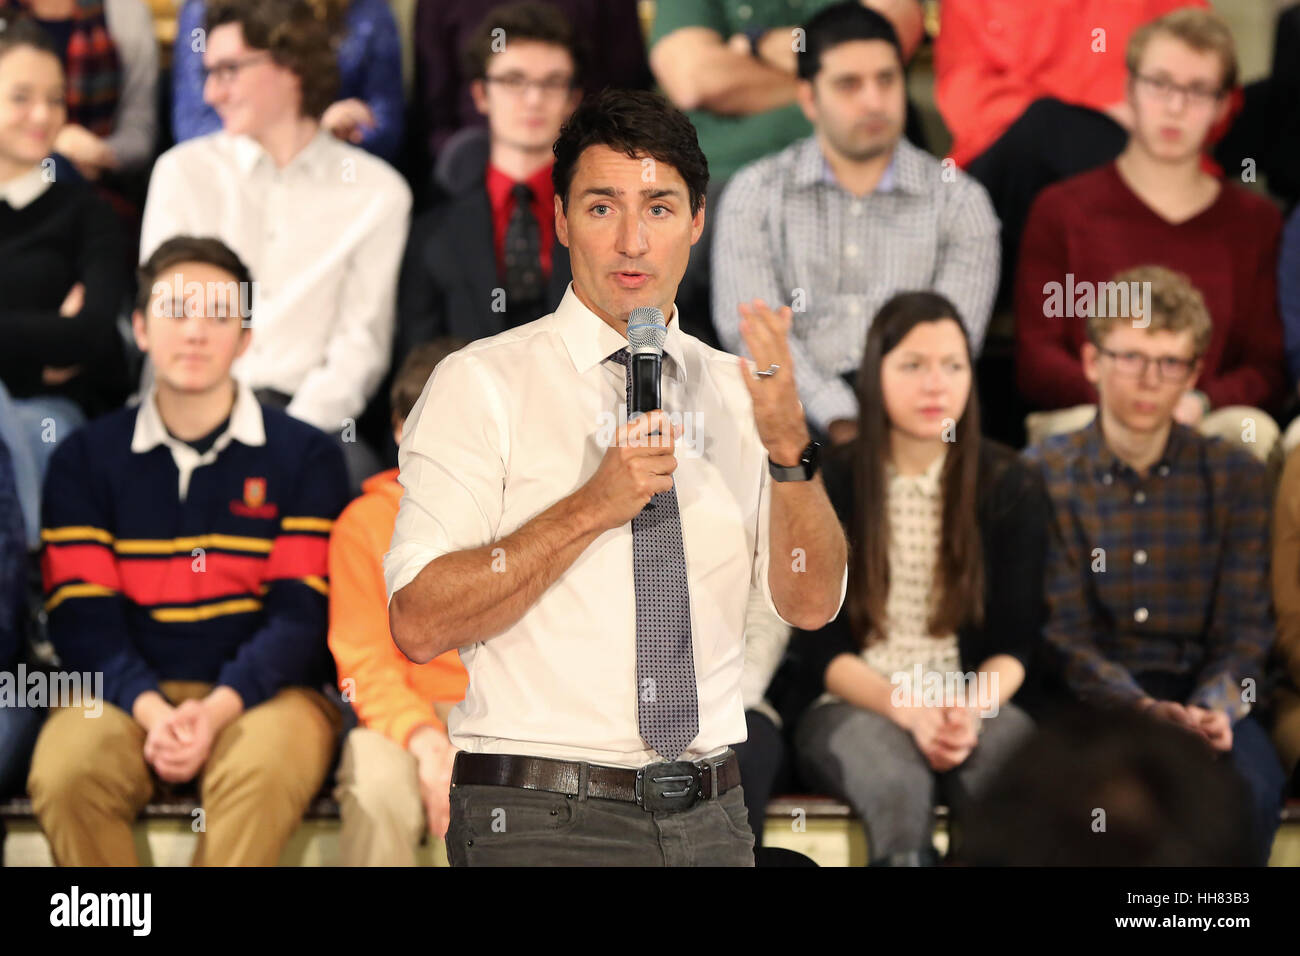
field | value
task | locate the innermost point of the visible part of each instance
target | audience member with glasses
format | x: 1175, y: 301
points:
x: 1157, y: 572
x: 1156, y: 205
x: 369, y: 108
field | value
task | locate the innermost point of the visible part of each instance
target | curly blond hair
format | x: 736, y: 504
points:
x: 1175, y: 306
x: 1202, y: 30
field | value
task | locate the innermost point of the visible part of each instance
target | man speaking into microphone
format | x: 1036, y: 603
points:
x: 592, y: 570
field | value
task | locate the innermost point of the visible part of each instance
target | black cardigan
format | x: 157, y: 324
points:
x: 64, y: 236
x: 1013, y: 516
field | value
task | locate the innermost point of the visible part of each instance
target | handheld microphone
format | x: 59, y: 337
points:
x: 646, y: 332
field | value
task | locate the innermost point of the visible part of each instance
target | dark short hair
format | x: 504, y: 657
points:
x: 528, y: 21
x: 297, y: 37
x: 842, y: 23
x: 180, y: 249
x: 410, y: 379
x: 19, y: 30
x: 1167, y: 801
x: 638, y: 123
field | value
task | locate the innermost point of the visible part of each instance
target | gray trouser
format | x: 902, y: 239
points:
x: 511, y: 826
x: 873, y: 765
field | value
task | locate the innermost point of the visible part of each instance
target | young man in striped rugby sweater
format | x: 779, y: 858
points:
x: 186, y: 558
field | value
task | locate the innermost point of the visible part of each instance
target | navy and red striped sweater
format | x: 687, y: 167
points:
x: 228, y: 585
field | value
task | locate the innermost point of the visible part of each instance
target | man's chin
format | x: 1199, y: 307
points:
x: 184, y: 384
x: 1146, y: 422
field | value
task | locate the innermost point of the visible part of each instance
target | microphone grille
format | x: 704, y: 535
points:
x: 646, y: 329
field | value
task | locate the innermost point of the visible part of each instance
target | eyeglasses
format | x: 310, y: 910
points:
x: 227, y: 70
x: 1170, y: 368
x: 515, y: 84
x: 1165, y: 89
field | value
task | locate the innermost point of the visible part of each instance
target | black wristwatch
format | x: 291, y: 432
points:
x: 807, y: 467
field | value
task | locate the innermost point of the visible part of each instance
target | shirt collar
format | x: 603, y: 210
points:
x: 25, y: 189
x: 245, y: 425
x: 906, y: 171
x: 929, y: 482
x: 499, y: 186
x: 590, y: 341
x: 312, y: 159
x: 1107, y: 466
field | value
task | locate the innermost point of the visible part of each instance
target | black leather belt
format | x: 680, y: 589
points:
x: 656, y: 786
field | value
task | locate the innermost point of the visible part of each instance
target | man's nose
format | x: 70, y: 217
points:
x: 632, y: 237
x: 1151, y: 374
x: 212, y: 90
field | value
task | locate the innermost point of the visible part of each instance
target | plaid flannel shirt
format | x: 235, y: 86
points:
x: 1164, y: 574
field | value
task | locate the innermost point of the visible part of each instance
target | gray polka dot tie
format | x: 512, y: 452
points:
x: 668, y: 710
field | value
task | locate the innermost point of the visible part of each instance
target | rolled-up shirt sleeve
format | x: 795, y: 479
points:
x: 452, y: 468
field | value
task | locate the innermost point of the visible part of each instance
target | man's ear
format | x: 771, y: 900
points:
x: 805, y: 96
x: 561, y: 223
x: 245, y: 339
x: 1222, y: 110
x: 139, y: 331
x: 478, y: 93
x: 1090, y: 357
x: 697, y: 222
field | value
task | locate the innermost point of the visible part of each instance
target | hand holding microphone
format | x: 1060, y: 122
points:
x: 636, y: 467
x: 640, y: 462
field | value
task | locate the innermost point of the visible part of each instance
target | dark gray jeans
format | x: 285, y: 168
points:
x: 511, y: 826
x: 873, y: 765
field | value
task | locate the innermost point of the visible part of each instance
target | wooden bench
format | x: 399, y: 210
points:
x: 818, y: 827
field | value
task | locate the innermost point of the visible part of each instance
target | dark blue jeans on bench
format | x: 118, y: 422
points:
x: 18, y: 729
x: 1253, y: 757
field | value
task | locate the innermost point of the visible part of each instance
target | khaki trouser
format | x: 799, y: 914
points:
x: 89, y: 779
x: 1248, y: 428
x: 383, y: 817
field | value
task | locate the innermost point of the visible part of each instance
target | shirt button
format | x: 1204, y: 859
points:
x: 1107, y: 478
x: 1162, y: 471
x: 855, y: 306
x: 850, y: 250
x: 1141, y: 615
x: 1139, y: 497
x: 744, y: 11
x: 856, y: 209
x: 1140, y: 556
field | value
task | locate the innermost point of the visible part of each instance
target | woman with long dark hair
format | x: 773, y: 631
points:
x: 944, y: 608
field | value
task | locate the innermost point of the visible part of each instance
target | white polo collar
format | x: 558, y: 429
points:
x: 25, y: 189
x: 245, y: 426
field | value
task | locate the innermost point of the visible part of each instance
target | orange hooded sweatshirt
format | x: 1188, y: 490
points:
x: 389, y: 693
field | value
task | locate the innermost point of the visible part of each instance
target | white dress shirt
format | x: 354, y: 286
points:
x: 509, y: 425
x: 323, y: 238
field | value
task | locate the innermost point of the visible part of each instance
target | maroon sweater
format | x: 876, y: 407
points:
x: 1094, y: 226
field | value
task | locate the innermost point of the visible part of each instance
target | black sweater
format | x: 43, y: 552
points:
x: 1013, y: 511
x: 64, y: 236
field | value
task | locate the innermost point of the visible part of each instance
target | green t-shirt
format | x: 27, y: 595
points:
x: 730, y: 142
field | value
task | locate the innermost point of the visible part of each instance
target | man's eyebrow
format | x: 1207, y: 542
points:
x: 647, y: 193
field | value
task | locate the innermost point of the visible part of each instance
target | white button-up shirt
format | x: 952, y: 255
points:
x: 323, y: 238
x: 509, y: 425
